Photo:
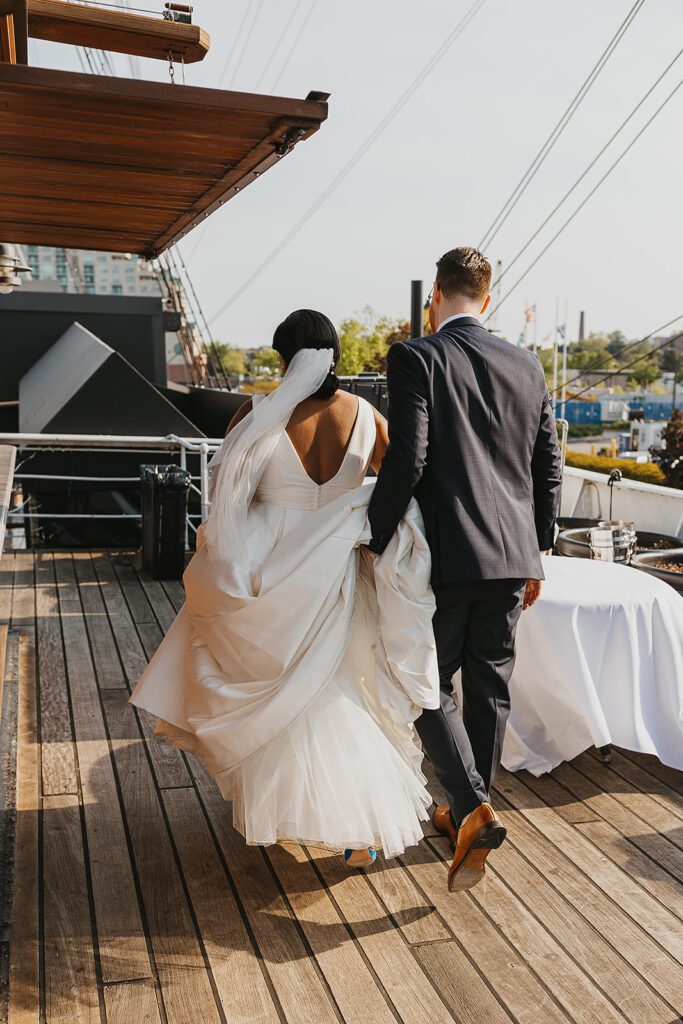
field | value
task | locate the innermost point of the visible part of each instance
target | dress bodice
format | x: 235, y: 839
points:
x: 286, y: 483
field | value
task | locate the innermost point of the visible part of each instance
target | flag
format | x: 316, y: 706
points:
x: 562, y: 330
x: 530, y: 314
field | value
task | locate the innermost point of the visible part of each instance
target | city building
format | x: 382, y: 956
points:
x: 84, y: 270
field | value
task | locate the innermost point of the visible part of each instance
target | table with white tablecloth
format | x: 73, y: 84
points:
x: 599, y: 661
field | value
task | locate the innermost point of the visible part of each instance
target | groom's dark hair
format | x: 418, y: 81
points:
x: 464, y: 271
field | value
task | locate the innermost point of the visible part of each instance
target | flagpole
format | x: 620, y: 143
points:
x: 555, y: 354
x: 535, y: 326
x: 564, y: 362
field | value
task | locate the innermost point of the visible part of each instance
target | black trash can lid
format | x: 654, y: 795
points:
x: 171, y: 477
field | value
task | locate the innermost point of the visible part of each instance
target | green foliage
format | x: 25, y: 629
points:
x: 645, y: 472
x: 233, y: 360
x: 365, y: 342
x: 644, y: 374
x: 586, y: 429
x: 265, y: 361
x: 669, y: 458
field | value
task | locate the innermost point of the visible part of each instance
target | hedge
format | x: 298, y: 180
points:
x: 646, y: 472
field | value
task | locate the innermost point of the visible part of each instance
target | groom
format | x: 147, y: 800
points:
x: 472, y: 436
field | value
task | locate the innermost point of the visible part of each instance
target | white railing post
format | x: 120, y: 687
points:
x: 204, y: 479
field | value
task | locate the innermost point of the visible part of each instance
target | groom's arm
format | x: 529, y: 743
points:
x: 405, y: 458
x: 546, y: 469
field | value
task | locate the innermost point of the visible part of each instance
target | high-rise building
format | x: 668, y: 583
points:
x: 84, y: 270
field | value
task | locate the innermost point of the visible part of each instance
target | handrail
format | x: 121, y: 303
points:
x: 115, y: 443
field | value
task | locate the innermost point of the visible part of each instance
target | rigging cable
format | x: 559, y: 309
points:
x: 231, y: 52
x: 384, y: 123
x: 247, y: 40
x: 278, y: 43
x: 294, y: 45
x: 627, y: 348
x: 634, y: 362
x: 586, y: 198
x: 590, y: 166
x: 557, y: 131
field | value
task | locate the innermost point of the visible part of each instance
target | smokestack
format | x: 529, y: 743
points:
x: 582, y: 324
x: 416, y: 310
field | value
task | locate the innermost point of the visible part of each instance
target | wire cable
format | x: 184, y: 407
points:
x: 231, y: 52
x: 278, y: 43
x: 634, y: 362
x: 590, y: 166
x: 539, y: 159
x: 294, y: 45
x: 626, y: 348
x: 247, y: 40
x: 583, y: 202
x: 381, y: 126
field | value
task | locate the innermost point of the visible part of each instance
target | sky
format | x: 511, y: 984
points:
x: 440, y: 172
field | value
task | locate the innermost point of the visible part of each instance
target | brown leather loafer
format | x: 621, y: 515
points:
x: 477, y: 836
x: 443, y: 823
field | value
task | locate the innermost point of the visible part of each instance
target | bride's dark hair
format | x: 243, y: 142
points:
x: 307, y: 328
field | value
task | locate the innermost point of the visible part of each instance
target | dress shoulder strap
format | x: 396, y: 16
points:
x: 365, y: 431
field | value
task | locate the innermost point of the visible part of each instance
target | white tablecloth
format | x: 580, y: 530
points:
x: 599, y: 660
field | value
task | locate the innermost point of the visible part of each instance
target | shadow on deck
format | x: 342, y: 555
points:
x: 130, y: 899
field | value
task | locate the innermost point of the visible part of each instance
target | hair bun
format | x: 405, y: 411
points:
x: 329, y: 386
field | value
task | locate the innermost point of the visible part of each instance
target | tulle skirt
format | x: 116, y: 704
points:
x: 331, y: 778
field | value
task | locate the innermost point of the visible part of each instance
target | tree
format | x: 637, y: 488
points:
x: 365, y: 341
x: 265, y: 361
x: 670, y: 457
x: 645, y: 373
x: 233, y: 360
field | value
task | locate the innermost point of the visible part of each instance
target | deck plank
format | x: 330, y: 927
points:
x: 644, y: 836
x: 132, y: 1002
x: 122, y: 943
x: 598, y: 889
x: 71, y: 993
x: 105, y: 654
x: 523, y: 863
x: 24, y: 971
x: 169, y: 765
x: 385, y: 947
x: 518, y: 988
x: 350, y: 980
x: 57, y: 748
x: 241, y: 979
x: 296, y: 980
x: 188, y: 995
x: 570, y: 985
x: 155, y: 910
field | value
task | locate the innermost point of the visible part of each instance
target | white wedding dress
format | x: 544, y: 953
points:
x: 298, y: 664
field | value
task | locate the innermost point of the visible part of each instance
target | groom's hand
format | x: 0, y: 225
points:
x: 532, y: 593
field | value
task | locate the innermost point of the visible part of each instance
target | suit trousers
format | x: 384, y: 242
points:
x: 474, y: 627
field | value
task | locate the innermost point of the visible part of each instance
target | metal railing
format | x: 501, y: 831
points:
x: 132, y: 443
x: 120, y: 443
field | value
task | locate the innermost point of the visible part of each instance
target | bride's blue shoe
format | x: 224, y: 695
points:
x: 360, y: 858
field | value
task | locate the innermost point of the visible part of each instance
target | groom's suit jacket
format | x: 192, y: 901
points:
x: 472, y: 435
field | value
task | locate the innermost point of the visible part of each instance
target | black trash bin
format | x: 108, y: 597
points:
x: 164, y: 511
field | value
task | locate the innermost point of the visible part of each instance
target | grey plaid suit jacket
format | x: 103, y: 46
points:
x: 472, y: 436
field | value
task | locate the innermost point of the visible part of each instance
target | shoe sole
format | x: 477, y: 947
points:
x: 361, y: 862
x: 472, y: 868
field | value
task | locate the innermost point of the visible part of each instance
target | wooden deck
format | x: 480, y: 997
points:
x: 131, y: 900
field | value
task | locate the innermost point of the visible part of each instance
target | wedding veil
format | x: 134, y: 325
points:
x: 237, y: 466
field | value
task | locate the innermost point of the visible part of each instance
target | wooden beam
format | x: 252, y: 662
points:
x: 14, y: 31
x: 120, y: 31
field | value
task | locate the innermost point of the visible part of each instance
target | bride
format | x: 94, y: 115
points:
x: 299, y: 662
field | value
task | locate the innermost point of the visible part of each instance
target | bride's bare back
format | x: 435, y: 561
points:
x: 320, y: 430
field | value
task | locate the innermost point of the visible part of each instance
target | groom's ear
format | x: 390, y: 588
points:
x: 486, y: 303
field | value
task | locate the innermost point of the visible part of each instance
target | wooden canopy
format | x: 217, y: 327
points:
x: 76, y: 23
x: 88, y: 162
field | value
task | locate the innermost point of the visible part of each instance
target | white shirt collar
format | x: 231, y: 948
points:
x: 455, y: 316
